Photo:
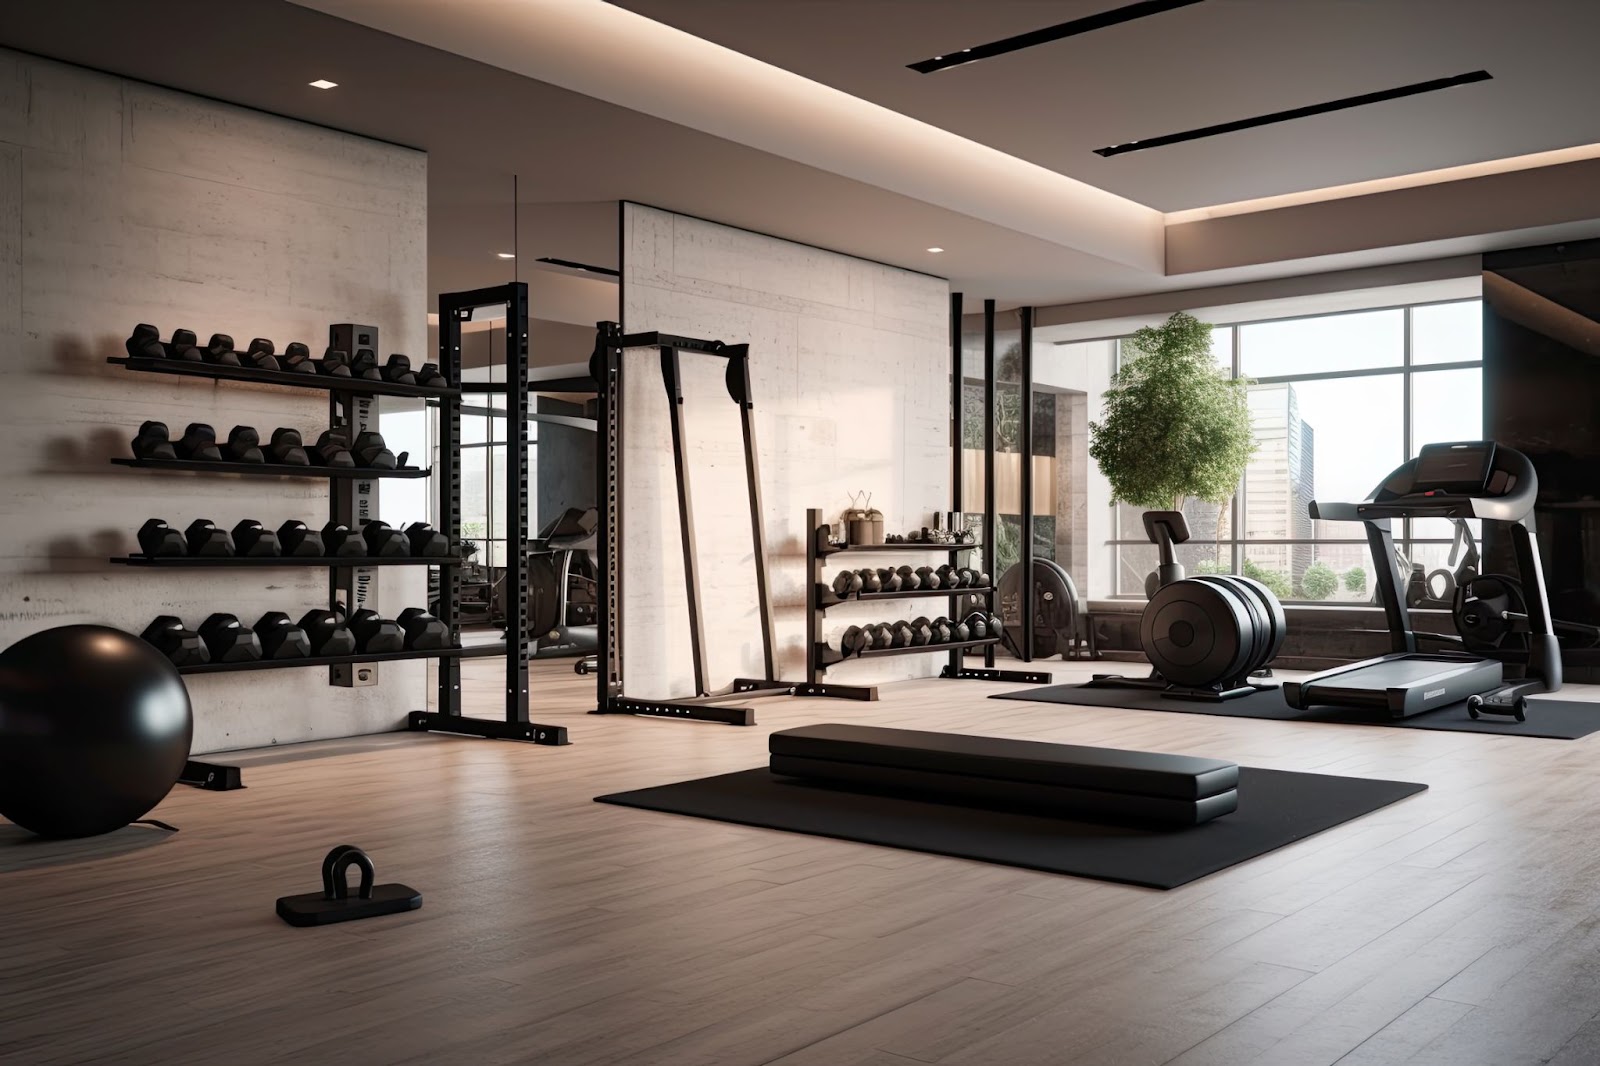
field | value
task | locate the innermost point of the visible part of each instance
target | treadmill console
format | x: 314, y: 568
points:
x: 1460, y: 469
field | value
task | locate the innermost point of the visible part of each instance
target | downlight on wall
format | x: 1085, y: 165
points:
x: 506, y: 255
x: 936, y: 251
x: 323, y: 83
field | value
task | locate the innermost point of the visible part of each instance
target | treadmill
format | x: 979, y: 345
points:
x: 1469, y: 479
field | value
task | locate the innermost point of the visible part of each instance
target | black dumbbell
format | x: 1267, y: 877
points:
x: 383, y: 540
x: 334, y: 363
x: 977, y: 624
x: 429, y: 376
x: 398, y: 370
x: 364, y: 364
x: 966, y: 577
x: 883, y: 635
x: 219, y: 350
x: 288, y: 448
x: 888, y: 581
x: 375, y: 633
x: 942, y: 631
x: 262, y: 354
x: 153, y: 442
x: 228, y: 641
x: 327, y: 633
x: 299, y: 540
x: 855, y: 641
x: 250, y: 538
x: 902, y: 634
x: 909, y: 579
x: 199, y: 442
x: 369, y: 451
x: 243, y: 446
x: 183, y: 646
x: 846, y: 582
x: 145, y: 342
x: 184, y: 345
x: 870, y: 582
x: 996, y: 626
x: 982, y: 580
x: 929, y: 579
x: 423, y: 630
x: 281, y: 638
x: 921, y: 632
x: 204, y: 538
x: 332, y: 449
x: 157, y: 539
x: 949, y: 577
x: 427, y: 542
x: 297, y: 359
x: 958, y: 631
x: 339, y: 541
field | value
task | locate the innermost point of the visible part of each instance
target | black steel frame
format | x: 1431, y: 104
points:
x: 455, y: 309
x: 606, y: 367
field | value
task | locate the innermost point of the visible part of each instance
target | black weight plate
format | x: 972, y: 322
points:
x: 1197, y: 633
x: 1260, y: 624
x: 1274, y: 609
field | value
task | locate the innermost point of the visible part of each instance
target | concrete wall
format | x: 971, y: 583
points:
x: 122, y: 203
x: 850, y: 367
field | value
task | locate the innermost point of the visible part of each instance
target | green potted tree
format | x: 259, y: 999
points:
x: 1173, y: 426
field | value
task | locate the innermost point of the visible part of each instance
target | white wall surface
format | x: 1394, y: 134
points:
x: 122, y: 203
x: 850, y: 366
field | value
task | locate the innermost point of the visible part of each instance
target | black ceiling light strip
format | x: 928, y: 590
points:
x: 1142, y: 9
x: 585, y: 267
x: 1298, y: 112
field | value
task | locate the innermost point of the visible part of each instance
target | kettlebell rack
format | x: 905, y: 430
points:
x: 351, y: 405
x: 820, y: 597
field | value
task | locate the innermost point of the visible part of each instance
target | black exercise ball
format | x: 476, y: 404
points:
x: 95, y: 727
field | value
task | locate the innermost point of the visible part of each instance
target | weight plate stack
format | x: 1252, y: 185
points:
x: 1198, y: 632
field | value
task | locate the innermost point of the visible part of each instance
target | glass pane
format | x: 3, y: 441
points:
x: 1447, y: 333
x: 1328, y: 440
x: 1136, y: 563
x: 1222, y: 348
x: 1446, y: 405
x: 497, y: 490
x: 474, y: 429
x: 1319, y: 345
x: 475, y: 494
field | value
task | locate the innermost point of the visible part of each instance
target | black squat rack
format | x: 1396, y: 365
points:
x: 820, y: 597
x: 606, y: 367
x: 456, y: 308
x: 351, y: 405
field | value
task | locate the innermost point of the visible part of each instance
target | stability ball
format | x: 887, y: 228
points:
x: 95, y: 727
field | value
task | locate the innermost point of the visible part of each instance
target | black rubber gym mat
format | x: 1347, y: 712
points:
x: 1276, y: 807
x: 1549, y: 718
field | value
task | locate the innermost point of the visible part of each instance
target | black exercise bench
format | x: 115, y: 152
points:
x: 1102, y: 784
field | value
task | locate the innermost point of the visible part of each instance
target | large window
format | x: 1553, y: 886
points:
x: 1337, y: 402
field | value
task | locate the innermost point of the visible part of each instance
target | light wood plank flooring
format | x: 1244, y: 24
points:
x: 1460, y: 926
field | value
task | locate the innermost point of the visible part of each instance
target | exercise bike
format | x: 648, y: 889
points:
x: 563, y: 599
x: 1205, y: 636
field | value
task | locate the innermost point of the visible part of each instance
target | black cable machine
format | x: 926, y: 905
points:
x: 454, y: 309
x: 606, y: 367
x: 1465, y: 479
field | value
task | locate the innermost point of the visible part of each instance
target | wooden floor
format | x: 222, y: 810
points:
x: 1460, y: 926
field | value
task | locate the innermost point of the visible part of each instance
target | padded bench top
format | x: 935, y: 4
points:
x: 1143, y: 773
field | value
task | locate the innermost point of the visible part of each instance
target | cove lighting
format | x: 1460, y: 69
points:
x: 935, y: 249
x: 506, y: 255
x: 324, y: 83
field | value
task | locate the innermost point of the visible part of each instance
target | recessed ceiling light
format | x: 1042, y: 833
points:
x: 506, y: 255
x: 324, y: 83
x: 935, y: 249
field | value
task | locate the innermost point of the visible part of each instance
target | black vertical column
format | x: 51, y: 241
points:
x: 605, y: 366
x: 447, y: 474
x: 1025, y: 558
x: 958, y: 433
x: 671, y: 378
x: 991, y: 524
x: 516, y: 578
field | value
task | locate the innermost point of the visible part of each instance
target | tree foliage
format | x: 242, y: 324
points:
x: 1319, y: 581
x: 1276, y: 580
x: 1173, y: 425
x: 1355, y: 580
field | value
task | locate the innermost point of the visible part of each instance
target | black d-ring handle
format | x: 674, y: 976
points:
x: 335, y: 885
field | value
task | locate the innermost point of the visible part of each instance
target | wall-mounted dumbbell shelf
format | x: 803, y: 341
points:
x: 343, y: 393
x: 820, y: 597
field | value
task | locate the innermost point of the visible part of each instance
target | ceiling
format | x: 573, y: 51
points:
x: 1214, y: 61
x: 1013, y: 234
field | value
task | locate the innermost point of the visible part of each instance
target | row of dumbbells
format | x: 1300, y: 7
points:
x: 222, y: 638
x: 918, y: 633
x: 262, y: 354
x: 335, y: 448
x: 294, y: 538
x: 906, y: 579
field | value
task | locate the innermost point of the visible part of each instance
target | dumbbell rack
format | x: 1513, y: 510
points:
x: 820, y: 597
x: 350, y: 405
